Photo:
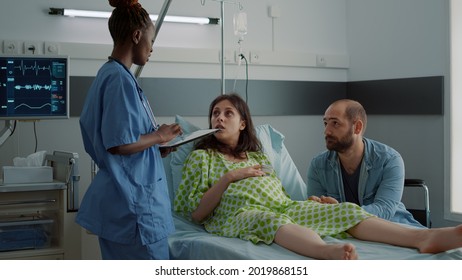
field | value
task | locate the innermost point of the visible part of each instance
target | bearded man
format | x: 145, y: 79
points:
x: 357, y: 169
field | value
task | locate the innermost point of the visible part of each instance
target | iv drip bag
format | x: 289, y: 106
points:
x: 240, y: 24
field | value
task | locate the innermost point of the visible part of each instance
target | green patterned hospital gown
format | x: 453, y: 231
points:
x: 254, y: 208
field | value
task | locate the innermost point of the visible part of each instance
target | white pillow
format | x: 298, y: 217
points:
x: 273, y: 145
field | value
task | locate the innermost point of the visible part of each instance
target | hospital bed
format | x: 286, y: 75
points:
x: 191, y: 241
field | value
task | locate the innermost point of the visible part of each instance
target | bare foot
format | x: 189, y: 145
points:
x: 345, y: 251
x: 441, y: 239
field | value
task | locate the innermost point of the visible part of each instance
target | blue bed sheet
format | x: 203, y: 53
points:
x: 192, y: 242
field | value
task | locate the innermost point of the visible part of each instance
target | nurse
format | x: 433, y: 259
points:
x: 127, y: 204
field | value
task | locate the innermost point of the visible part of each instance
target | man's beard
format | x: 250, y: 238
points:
x: 339, y: 145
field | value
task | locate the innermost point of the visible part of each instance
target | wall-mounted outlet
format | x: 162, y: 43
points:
x: 255, y: 57
x: 10, y: 47
x: 321, y: 60
x: 238, y: 56
x: 227, y: 56
x: 51, y: 48
x: 31, y: 47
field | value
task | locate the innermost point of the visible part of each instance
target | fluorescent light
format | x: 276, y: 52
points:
x: 101, y: 14
x: 85, y: 13
x: 198, y: 20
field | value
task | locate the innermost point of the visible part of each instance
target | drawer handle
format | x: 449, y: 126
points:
x: 6, y: 203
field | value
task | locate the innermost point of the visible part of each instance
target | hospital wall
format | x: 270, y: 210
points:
x: 396, y: 39
x: 362, y: 39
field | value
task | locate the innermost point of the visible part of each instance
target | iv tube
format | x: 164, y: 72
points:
x: 240, y: 29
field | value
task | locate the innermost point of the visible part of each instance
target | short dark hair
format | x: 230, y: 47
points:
x: 248, y: 140
x: 127, y: 16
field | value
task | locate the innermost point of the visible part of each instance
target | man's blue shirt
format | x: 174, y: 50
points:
x: 381, y: 181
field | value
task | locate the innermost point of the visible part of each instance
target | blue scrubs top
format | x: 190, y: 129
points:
x: 129, y: 193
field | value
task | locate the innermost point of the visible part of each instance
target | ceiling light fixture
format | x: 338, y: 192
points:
x: 102, y: 14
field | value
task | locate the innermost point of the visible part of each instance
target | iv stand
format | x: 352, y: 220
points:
x: 223, y: 90
x: 222, y: 54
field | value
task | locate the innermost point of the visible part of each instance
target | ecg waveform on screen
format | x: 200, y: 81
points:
x: 32, y: 67
x: 33, y: 87
x: 32, y: 107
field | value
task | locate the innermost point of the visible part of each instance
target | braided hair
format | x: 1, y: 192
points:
x: 127, y: 16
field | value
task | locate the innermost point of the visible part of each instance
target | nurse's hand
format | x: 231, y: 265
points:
x: 167, y: 132
x: 162, y: 135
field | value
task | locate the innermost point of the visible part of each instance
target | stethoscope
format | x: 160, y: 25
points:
x: 144, y: 101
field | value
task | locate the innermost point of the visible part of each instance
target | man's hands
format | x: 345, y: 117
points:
x: 323, y: 199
